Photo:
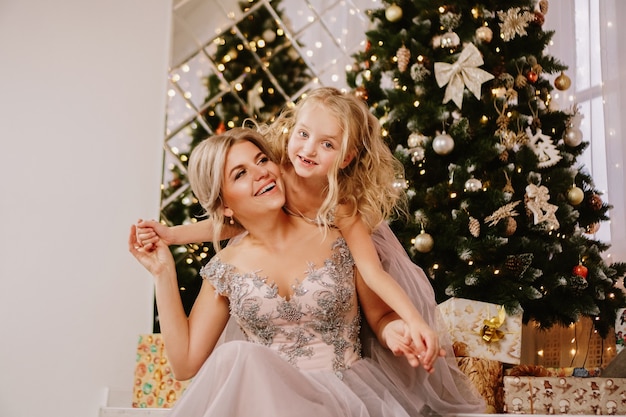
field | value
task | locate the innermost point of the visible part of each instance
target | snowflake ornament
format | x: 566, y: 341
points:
x: 514, y: 23
x: 543, y: 147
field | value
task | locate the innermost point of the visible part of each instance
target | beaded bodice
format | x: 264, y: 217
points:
x: 316, y: 328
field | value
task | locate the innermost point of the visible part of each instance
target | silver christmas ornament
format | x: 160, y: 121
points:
x: 473, y: 184
x: 443, y: 144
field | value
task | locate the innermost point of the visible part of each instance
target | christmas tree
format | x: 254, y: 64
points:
x: 500, y: 209
x: 253, y: 70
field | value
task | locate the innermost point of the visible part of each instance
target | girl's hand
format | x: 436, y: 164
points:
x: 425, y: 341
x: 158, y: 260
x: 149, y: 232
x: 398, y: 339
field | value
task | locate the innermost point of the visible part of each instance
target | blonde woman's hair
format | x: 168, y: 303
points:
x: 206, y: 172
x: 367, y: 185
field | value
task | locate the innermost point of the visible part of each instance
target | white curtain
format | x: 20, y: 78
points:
x: 613, y: 61
x: 586, y: 39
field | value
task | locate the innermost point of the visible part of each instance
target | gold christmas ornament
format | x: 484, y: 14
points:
x: 562, y: 82
x: 423, y: 242
x: 393, y: 13
x: 543, y: 6
x: 404, y: 56
x: 573, y: 136
x: 575, y: 196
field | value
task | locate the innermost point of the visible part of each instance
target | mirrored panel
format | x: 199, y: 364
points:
x: 233, y: 60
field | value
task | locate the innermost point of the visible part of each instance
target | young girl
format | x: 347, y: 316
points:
x: 338, y: 171
x: 293, y: 289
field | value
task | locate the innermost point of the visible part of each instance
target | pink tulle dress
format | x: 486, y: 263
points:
x: 311, y: 355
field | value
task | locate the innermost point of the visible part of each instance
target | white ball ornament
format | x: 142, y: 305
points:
x: 575, y: 196
x: 423, y: 242
x: 484, y: 34
x: 393, y: 13
x: 443, y: 144
x: 450, y: 40
x: 573, y: 136
x: 473, y: 184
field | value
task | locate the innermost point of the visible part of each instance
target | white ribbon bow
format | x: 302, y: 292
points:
x: 462, y: 73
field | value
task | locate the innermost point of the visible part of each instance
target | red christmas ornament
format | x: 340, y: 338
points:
x: 540, y: 19
x: 532, y: 76
x: 580, y: 270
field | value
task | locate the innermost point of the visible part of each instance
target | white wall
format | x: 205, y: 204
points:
x: 82, y: 97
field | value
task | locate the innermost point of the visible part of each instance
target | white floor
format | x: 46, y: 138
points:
x: 118, y: 405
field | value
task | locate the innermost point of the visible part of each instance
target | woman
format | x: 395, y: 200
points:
x: 337, y: 169
x: 293, y: 289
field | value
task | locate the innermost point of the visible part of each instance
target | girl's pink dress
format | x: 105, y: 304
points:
x: 309, y: 355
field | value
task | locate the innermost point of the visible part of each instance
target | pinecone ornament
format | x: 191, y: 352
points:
x: 474, y: 226
x: 578, y: 284
x: 404, y: 56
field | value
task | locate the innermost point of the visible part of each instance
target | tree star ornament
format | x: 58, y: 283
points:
x: 537, y: 202
x: 463, y: 73
x: 543, y: 147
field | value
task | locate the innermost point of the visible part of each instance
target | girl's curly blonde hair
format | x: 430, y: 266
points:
x: 367, y: 185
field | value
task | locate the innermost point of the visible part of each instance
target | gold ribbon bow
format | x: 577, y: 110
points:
x: 490, y: 331
x: 463, y: 73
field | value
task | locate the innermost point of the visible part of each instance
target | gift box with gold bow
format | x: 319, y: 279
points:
x: 155, y: 385
x: 482, y: 330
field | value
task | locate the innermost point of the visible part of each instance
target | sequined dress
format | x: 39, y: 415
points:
x: 303, y: 356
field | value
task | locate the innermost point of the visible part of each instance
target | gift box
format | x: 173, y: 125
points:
x: 155, y: 385
x: 620, y: 329
x: 564, y: 395
x: 482, y: 330
x: 486, y: 376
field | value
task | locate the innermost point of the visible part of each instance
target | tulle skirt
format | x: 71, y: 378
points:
x: 447, y: 391
x: 243, y: 379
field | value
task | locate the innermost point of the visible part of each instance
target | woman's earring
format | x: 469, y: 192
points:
x: 231, y: 221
